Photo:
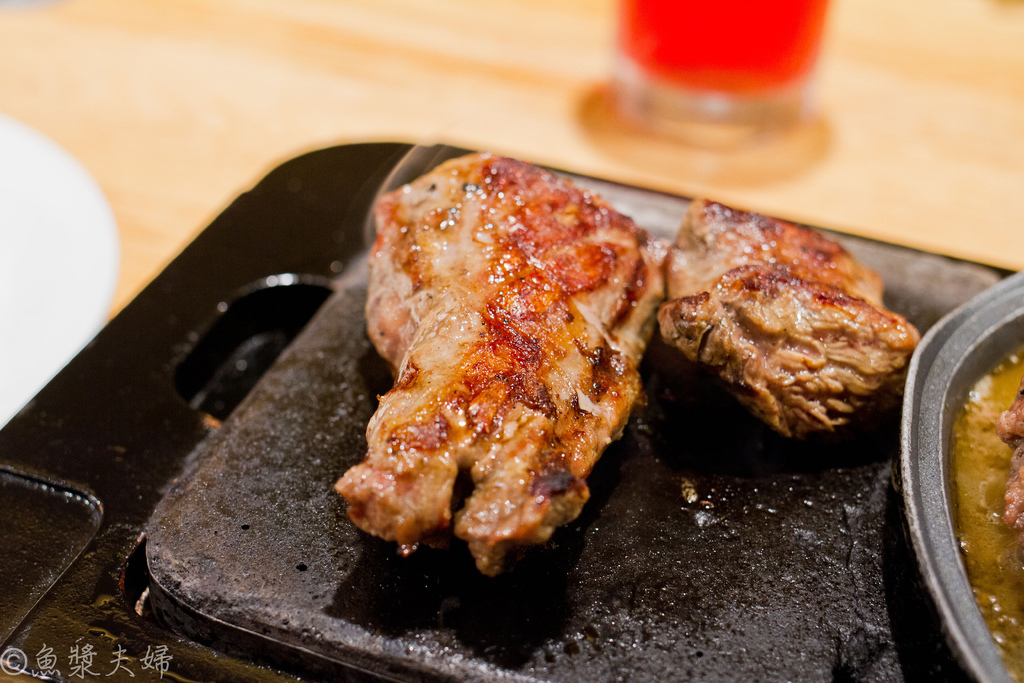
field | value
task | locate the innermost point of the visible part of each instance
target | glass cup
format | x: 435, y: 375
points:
x: 717, y: 72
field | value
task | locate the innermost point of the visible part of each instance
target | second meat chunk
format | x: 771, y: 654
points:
x: 790, y: 321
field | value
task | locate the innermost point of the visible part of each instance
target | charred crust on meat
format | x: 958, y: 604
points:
x: 554, y: 482
x: 485, y: 409
x: 409, y: 375
x: 607, y: 369
x: 637, y: 284
x: 420, y: 436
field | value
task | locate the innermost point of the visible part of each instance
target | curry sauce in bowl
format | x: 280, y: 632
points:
x: 980, y: 466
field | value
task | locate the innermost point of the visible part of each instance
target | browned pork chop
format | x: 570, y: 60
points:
x: 790, y: 321
x: 1010, y: 428
x: 514, y: 308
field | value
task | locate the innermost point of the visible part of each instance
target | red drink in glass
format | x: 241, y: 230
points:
x: 744, y: 63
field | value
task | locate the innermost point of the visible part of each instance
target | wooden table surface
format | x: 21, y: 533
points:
x: 176, y: 106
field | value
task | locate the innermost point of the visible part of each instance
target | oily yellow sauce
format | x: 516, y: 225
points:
x: 980, y: 467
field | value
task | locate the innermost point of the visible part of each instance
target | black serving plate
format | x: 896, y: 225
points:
x: 953, y: 356
x: 711, y: 548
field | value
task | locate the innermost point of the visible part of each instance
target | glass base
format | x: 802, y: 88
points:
x: 707, y: 118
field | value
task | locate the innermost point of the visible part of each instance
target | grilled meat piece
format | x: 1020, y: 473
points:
x: 513, y: 308
x: 1010, y: 428
x: 787, y: 318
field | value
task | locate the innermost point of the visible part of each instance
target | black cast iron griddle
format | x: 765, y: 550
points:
x: 710, y: 548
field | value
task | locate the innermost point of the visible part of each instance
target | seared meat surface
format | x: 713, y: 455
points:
x: 791, y: 322
x: 1010, y: 428
x: 513, y: 308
